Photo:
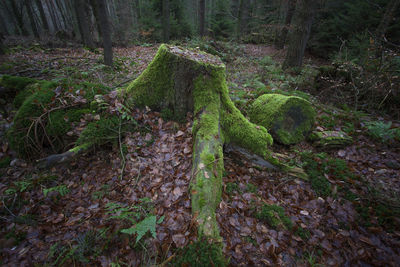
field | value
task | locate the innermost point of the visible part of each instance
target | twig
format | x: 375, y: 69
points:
x: 121, y: 150
x: 122, y: 83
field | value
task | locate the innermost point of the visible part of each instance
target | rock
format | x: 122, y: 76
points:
x: 289, y: 119
x: 330, y: 139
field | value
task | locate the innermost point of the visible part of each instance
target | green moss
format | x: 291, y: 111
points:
x: 99, y: 132
x: 158, y: 77
x: 36, y: 100
x: 238, y: 130
x: 5, y: 162
x: 60, y: 121
x: 289, y: 119
x: 232, y: 187
x: 34, y: 106
x: 274, y: 216
x: 319, y: 165
x: 15, y: 82
x: 198, y: 254
x: 251, y: 188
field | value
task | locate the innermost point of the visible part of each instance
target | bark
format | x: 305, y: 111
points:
x: 244, y: 14
x: 387, y: 18
x: 2, y: 52
x: 17, y: 11
x: 280, y: 39
x: 166, y: 20
x: 3, y: 25
x: 81, y: 8
x: 43, y: 17
x: 202, y: 14
x: 106, y: 32
x: 30, y: 12
x: 53, y: 17
x: 300, y: 32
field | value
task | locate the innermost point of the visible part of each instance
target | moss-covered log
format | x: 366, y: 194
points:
x: 331, y: 139
x: 288, y: 118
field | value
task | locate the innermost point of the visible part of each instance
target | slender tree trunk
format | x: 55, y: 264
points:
x: 300, y: 32
x: 106, y: 32
x: 2, y: 50
x: 387, y: 18
x: 43, y: 18
x: 52, y: 16
x: 81, y: 8
x: 202, y: 13
x: 281, y: 35
x: 3, y: 26
x: 29, y: 10
x: 166, y: 15
x: 60, y: 9
x: 17, y: 11
x: 244, y: 10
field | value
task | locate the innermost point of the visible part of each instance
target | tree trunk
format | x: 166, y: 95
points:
x: 166, y: 20
x: 3, y: 26
x: 300, y: 32
x: 17, y: 11
x: 106, y: 32
x: 202, y: 14
x: 387, y: 18
x: 244, y: 12
x: 43, y: 18
x: 53, y: 17
x: 30, y: 12
x: 281, y: 35
x: 81, y: 8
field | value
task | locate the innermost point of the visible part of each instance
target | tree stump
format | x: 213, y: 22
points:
x: 184, y: 81
x: 288, y: 118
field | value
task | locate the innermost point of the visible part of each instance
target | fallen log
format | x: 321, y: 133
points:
x: 288, y: 118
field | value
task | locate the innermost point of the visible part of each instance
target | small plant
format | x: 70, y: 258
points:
x: 19, y: 187
x: 61, y: 189
x: 231, y: 188
x: 198, y: 254
x: 101, y: 193
x: 133, y: 215
x: 382, y: 131
x: 88, y: 246
x: 274, y: 216
x: 304, y: 234
x: 251, y: 188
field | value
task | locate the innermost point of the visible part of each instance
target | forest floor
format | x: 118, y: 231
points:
x: 346, y: 215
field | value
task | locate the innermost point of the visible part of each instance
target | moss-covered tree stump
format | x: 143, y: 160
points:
x: 289, y: 119
x: 182, y: 81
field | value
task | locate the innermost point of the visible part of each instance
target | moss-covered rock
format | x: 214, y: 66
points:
x: 288, y: 118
